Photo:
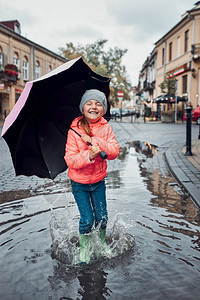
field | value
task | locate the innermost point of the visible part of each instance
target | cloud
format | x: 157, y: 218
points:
x: 146, y: 17
x: 128, y: 24
x: 8, y: 12
x: 78, y: 32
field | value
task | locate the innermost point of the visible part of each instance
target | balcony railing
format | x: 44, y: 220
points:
x: 6, y: 77
x: 148, y: 85
x: 9, y: 73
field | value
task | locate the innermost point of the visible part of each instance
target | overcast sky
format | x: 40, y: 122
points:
x: 131, y: 24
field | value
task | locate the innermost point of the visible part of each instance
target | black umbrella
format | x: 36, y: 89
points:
x: 36, y: 128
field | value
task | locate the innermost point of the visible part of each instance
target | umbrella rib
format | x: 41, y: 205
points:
x: 98, y: 79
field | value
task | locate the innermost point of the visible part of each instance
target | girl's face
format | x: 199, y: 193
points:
x: 93, y: 111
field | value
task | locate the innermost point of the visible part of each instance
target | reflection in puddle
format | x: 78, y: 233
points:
x: 80, y: 283
x: 144, y: 148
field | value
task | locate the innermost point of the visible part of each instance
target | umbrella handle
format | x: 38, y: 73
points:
x: 102, y: 154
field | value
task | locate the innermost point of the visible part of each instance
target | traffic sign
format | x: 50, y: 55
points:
x: 120, y: 95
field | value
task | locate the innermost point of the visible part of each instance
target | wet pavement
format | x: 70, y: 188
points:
x: 169, y: 137
x: 153, y: 227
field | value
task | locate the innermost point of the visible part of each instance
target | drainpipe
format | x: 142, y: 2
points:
x: 33, y: 61
x: 193, y: 35
x: 164, y: 66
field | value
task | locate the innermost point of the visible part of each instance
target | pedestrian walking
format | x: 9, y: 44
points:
x: 90, y: 135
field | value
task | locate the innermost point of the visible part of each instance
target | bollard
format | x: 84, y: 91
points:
x: 120, y: 115
x: 199, y: 132
x: 188, y: 131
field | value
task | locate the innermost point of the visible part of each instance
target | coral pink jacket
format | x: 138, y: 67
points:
x: 81, y: 168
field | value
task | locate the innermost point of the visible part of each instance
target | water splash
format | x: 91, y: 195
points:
x: 65, y: 244
x: 64, y: 239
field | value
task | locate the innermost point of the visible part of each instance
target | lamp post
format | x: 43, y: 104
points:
x: 176, y: 85
x: 120, y: 96
x: 188, y: 131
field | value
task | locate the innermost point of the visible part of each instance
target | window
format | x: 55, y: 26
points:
x: 25, y: 69
x: 50, y: 68
x: 37, y: 69
x: 16, y: 62
x: 1, y: 58
x: 163, y: 56
x: 184, y: 84
x: 186, y: 40
x: 170, y: 51
x: 17, y: 28
x: 178, y: 46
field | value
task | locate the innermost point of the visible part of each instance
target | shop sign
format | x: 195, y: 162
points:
x: 184, y: 68
x: 18, y: 91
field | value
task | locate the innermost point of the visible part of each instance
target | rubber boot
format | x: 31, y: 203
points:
x: 107, y: 249
x: 84, y: 257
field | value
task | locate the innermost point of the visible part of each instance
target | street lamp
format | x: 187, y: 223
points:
x: 120, y: 96
x: 176, y: 85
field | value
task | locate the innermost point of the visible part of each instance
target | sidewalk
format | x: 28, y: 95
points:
x: 186, y: 169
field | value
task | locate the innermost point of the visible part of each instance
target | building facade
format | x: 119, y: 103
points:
x: 21, y: 60
x: 147, y: 77
x: 176, y: 54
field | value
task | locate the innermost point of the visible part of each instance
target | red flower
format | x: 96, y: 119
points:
x: 11, y: 72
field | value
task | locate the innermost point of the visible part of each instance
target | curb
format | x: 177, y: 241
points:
x: 178, y: 172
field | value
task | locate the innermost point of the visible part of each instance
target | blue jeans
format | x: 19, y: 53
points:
x: 91, y: 201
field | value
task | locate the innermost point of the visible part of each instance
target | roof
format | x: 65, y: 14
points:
x: 4, y: 28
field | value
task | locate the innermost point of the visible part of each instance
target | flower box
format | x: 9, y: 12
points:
x: 168, y: 116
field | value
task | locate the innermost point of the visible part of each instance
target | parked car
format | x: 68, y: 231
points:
x: 128, y: 112
x: 196, y: 115
x: 115, y: 112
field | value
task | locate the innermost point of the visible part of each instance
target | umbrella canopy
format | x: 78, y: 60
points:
x: 168, y: 99
x: 36, y: 128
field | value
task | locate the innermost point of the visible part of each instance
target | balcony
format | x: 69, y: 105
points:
x: 9, y: 73
x: 195, y: 51
x: 148, y: 86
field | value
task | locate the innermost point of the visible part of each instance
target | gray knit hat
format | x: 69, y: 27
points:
x: 94, y: 95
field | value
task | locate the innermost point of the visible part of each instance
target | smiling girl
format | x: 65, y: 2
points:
x: 87, y: 170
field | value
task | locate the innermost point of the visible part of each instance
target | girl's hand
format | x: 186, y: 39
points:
x: 94, y: 151
x: 86, y: 138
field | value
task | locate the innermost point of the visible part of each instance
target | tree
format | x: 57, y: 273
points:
x: 168, y: 86
x: 106, y: 63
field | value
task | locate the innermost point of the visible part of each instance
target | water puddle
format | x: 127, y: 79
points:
x: 153, y: 232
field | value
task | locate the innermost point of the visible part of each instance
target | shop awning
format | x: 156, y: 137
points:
x: 168, y: 99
